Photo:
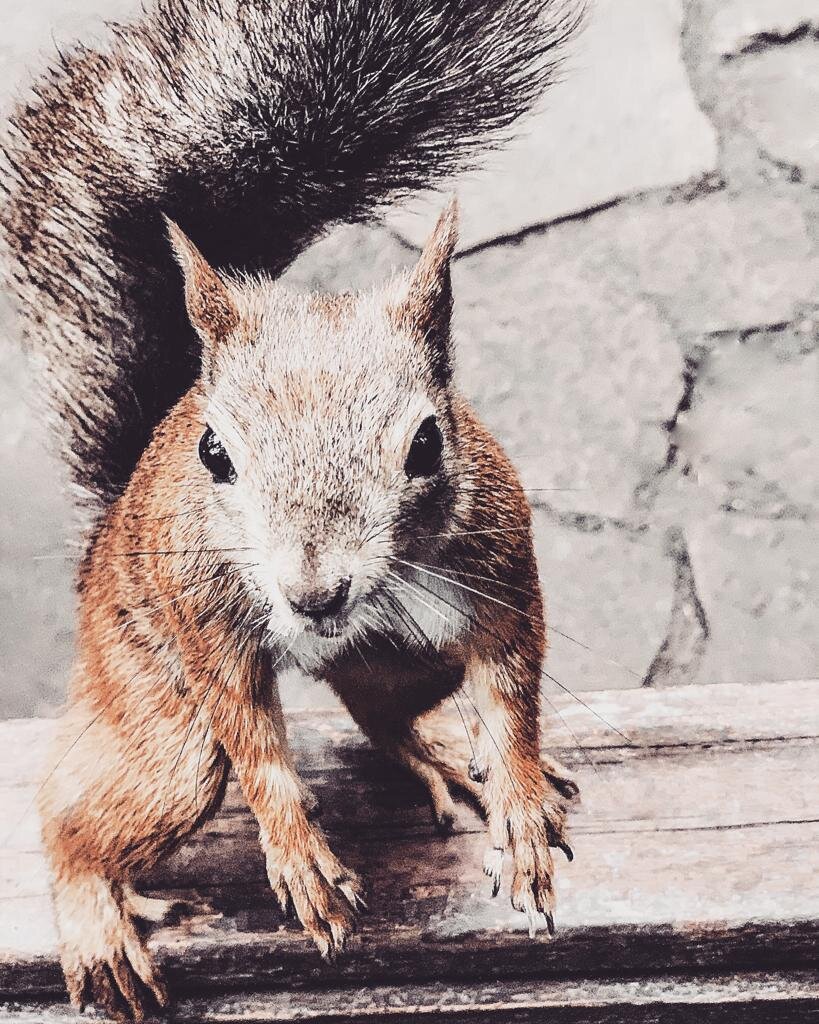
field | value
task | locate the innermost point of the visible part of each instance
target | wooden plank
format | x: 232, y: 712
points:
x: 695, y: 850
x: 685, y: 715
x: 786, y: 997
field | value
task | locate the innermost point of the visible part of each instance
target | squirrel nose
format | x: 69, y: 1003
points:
x: 316, y: 604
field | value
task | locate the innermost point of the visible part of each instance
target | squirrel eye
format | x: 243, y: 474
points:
x: 215, y: 458
x: 424, y: 456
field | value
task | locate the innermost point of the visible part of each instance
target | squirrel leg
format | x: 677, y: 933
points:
x: 525, y: 812
x: 303, y: 871
x: 432, y: 778
x: 110, y: 806
x: 451, y: 754
x: 444, y: 770
x: 554, y: 772
x: 456, y: 766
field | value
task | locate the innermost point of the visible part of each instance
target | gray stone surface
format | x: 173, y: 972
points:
x: 36, y: 593
x: 757, y: 580
x: 748, y: 444
x: 777, y: 97
x: 721, y: 260
x: 623, y: 120
x: 608, y: 595
x: 742, y: 490
x: 651, y: 366
x: 541, y: 323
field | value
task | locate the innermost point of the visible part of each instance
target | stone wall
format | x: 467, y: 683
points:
x: 637, y: 296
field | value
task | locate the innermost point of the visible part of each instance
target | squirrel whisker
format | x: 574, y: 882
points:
x: 423, y: 567
x: 194, y: 588
x: 463, y: 586
x: 426, y: 567
x: 547, y: 675
x: 475, y: 576
x: 143, y: 554
x: 467, y: 730
x: 417, y: 629
x: 412, y: 590
x: 188, y: 551
x: 210, y: 614
x: 196, y: 511
x: 475, y: 533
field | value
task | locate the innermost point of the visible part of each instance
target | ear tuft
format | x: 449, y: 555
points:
x: 430, y: 277
x: 428, y: 303
x: 211, y: 306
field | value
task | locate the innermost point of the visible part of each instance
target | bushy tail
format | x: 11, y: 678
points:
x: 254, y: 124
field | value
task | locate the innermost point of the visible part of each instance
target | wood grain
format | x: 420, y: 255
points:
x: 737, y: 999
x: 696, y: 851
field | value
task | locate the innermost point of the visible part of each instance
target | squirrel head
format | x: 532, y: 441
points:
x: 327, y: 443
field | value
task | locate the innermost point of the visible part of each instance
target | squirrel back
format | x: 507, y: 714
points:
x: 254, y: 125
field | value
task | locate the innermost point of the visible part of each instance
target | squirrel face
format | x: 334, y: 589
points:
x: 328, y: 442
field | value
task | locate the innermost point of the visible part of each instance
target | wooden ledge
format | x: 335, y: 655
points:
x: 693, y: 887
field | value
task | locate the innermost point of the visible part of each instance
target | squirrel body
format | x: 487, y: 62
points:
x: 275, y: 480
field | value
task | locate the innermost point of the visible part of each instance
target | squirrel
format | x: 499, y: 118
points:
x: 270, y: 479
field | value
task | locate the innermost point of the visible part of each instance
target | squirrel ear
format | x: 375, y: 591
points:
x: 211, y: 306
x: 428, y: 303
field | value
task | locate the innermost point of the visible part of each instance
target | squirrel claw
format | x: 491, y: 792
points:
x: 557, y: 841
x: 567, y: 788
x: 493, y: 867
x: 110, y: 966
x: 353, y: 896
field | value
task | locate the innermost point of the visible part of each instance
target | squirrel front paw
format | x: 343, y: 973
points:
x: 531, y: 834
x: 104, y: 958
x: 325, y: 895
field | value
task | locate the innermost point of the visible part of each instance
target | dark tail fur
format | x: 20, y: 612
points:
x: 254, y: 124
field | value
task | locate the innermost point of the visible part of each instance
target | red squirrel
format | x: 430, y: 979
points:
x: 270, y: 479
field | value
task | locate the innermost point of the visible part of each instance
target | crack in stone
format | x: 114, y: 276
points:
x: 686, y: 640
x: 682, y: 649
x: 516, y: 237
x: 762, y: 41
x: 784, y: 508
x: 782, y: 170
x: 647, y: 490
x: 747, y: 331
x: 686, y: 192
x: 589, y: 522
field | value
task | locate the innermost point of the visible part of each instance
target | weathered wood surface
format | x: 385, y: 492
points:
x: 737, y: 999
x: 696, y: 852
